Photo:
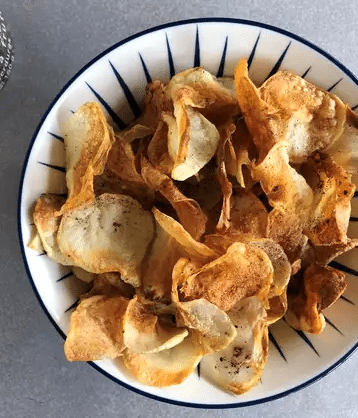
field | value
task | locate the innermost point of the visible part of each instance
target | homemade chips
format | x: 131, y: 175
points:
x: 209, y: 218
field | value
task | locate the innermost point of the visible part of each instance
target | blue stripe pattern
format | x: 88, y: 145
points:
x: 198, y: 370
x: 334, y: 85
x: 306, y: 340
x: 73, y: 306
x: 116, y: 119
x: 197, y: 49
x: 353, y: 219
x: 306, y: 72
x: 64, y: 277
x: 355, y: 193
x: 129, y: 96
x: 277, y: 66
x: 56, y: 136
x: 346, y: 299
x: 343, y: 268
x: 145, y: 69
x: 277, y: 346
x: 170, y: 59
x: 251, y: 57
x: 332, y: 325
x: 55, y: 167
x: 354, y: 108
x: 220, y: 72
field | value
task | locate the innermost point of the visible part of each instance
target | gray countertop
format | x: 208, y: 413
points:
x: 53, y: 39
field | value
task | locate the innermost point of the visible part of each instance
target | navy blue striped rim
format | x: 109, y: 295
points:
x: 353, y: 219
x: 306, y: 72
x: 355, y: 193
x: 304, y: 337
x: 354, y: 108
x: 346, y: 299
x: 277, y: 345
x: 55, y: 167
x: 145, y: 69
x: 170, y: 58
x: 333, y: 326
x: 252, y: 54
x: 198, y: 370
x: 220, y: 72
x: 26, y: 159
x: 334, y: 85
x: 65, y: 276
x: 57, y: 137
x: 197, y: 49
x: 73, y: 306
x: 277, y: 66
x: 129, y: 96
x: 116, y: 119
x: 343, y: 268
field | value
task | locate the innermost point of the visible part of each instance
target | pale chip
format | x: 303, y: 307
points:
x: 144, y: 332
x: 110, y: 234
x: 166, y: 368
x: 238, y: 367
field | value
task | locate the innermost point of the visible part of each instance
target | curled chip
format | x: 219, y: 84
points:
x: 145, y: 331
x: 239, y: 366
x: 96, y: 329
x: 110, y: 234
x: 168, y: 367
x: 88, y: 139
x: 241, y: 272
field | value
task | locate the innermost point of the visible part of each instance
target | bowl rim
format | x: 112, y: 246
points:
x: 25, y: 165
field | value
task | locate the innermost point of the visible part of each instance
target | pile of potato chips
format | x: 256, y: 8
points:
x: 210, y: 217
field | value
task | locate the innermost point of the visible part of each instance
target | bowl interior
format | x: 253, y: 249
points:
x: 117, y: 79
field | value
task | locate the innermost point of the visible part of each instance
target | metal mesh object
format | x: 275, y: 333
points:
x: 6, y: 53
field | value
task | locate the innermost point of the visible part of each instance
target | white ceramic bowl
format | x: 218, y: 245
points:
x: 117, y: 78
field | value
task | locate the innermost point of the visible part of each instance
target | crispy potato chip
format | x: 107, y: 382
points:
x: 210, y: 326
x: 166, y: 368
x: 289, y: 195
x: 277, y: 308
x: 47, y: 218
x: 243, y: 271
x: 192, y: 145
x: 88, y: 139
x: 96, y: 329
x: 333, y: 192
x: 324, y: 254
x: 317, y: 289
x: 157, y: 151
x: 191, y: 247
x: 189, y: 212
x: 110, y: 234
x: 157, y: 269
x: 144, y: 332
x: 83, y: 275
x: 238, y: 367
x: 288, y: 108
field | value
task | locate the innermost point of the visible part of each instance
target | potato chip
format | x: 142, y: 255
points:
x: 189, y: 212
x: 88, y: 139
x: 47, y: 218
x: 333, y: 192
x: 83, y: 275
x: 96, y: 329
x: 195, y: 249
x: 110, y: 234
x: 319, y: 287
x: 144, y: 332
x: 111, y: 284
x: 210, y: 326
x: 277, y: 307
x: 324, y: 254
x: 192, y: 145
x: 288, y: 108
x: 157, y: 151
x: 166, y: 368
x: 243, y: 271
x: 238, y: 367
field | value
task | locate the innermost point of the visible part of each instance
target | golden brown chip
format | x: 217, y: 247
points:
x: 88, y: 139
x: 189, y: 212
x: 111, y: 284
x: 243, y: 271
x: 319, y: 287
x: 277, y: 308
x: 189, y: 245
x: 47, y: 218
x: 166, y: 368
x: 110, y: 234
x: 238, y: 367
x: 324, y: 254
x: 210, y: 327
x: 333, y: 192
x: 96, y: 329
x: 157, y: 151
x: 146, y: 332
x: 83, y: 275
